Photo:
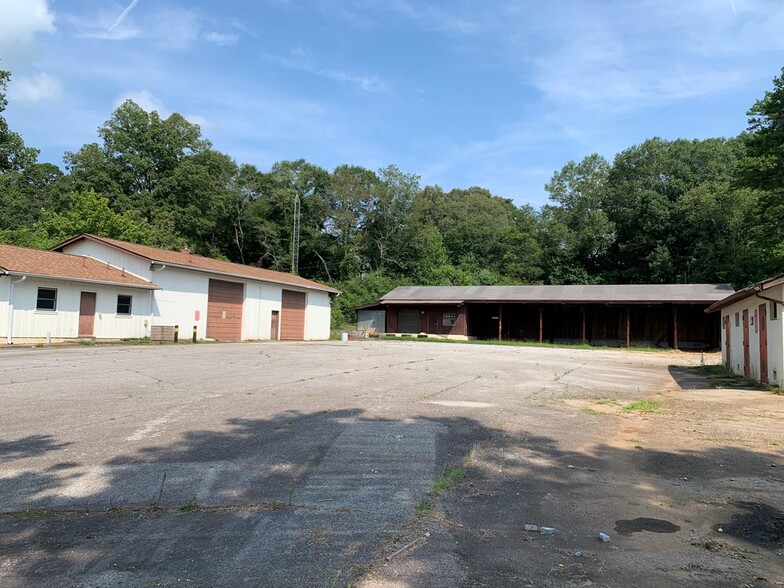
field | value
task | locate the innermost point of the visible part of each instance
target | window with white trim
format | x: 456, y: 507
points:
x: 774, y: 311
x: 449, y: 319
x: 124, y: 304
x: 47, y: 299
x: 737, y: 319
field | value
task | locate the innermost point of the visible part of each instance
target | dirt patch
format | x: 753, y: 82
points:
x: 627, y: 527
x: 759, y: 524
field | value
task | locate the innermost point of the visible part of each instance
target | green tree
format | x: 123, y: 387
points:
x: 14, y: 155
x: 386, y: 217
x: 576, y: 233
x: 763, y: 170
x: 644, y: 187
x: 88, y: 212
x: 138, y: 152
x: 352, y: 193
x: 25, y: 193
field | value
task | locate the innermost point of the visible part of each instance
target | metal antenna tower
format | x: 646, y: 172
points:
x: 295, y: 238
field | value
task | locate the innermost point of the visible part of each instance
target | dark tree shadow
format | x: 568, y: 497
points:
x: 31, y: 446
x: 262, y: 502
x: 710, y: 376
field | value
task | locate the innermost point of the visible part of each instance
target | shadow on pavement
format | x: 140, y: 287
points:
x: 309, y: 499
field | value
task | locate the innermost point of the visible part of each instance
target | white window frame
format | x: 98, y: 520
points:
x: 448, y: 319
x: 130, y: 305
x: 38, y: 300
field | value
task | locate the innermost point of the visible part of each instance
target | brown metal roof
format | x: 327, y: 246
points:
x: 575, y: 294
x: 48, y: 264
x: 752, y: 290
x: 197, y: 262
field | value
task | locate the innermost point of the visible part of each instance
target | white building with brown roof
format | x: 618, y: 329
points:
x: 219, y: 299
x: 752, y: 340
x: 54, y: 296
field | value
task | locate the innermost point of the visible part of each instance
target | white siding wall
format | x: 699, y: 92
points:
x: 184, y: 292
x: 63, y: 323
x: 317, y: 316
x: 260, y: 300
x: 4, y: 287
x: 776, y: 341
x: 131, y: 263
x: 775, y: 338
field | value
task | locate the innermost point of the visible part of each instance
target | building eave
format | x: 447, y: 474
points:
x: 151, y: 286
x: 748, y: 292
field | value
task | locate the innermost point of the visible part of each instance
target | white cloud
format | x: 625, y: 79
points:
x: 221, y: 39
x: 146, y: 99
x: 369, y: 83
x: 39, y: 87
x: 150, y: 102
x: 20, y: 22
x: 166, y: 26
x: 122, y: 16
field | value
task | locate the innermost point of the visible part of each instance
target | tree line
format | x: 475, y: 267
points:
x: 663, y: 211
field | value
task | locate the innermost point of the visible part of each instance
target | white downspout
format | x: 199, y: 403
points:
x: 12, y: 283
x: 152, y: 292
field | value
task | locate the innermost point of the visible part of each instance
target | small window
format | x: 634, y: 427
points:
x: 124, y: 304
x: 47, y: 299
x: 774, y: 311
x: 449, y: 319
x: 737, y: 319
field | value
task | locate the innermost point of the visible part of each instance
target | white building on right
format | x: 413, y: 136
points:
x: 752, y: 341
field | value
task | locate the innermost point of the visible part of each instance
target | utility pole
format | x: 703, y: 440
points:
x: 295, y: 238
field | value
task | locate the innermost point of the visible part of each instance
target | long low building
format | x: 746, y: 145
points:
x: 657, y: 315
x: 101, y: 288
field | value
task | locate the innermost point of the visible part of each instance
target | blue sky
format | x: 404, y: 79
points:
x: 498, y: 94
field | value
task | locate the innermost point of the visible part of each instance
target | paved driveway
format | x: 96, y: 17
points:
x: 289, y: 464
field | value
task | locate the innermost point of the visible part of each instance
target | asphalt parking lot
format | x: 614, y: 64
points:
x: 313, y: 464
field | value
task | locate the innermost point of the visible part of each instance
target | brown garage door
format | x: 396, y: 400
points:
x: 224, y: 311
x: 292, y: 320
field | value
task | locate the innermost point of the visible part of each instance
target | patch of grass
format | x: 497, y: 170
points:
x: 189, y: 506
x: 86, y: 343
x: 710, y: 370
x: 137, y: 341
x: 590, y: 411
x: 123, y: 511
x: 515, y: 343
x: 34, y: 514
x: 445, y: 478
x: 424, y: 505
x: 649, y: 406
x: 476, y: 447
x: 777, y: 390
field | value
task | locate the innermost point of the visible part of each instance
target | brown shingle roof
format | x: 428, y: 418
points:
x: 197, y: 262
x: 23, y: 260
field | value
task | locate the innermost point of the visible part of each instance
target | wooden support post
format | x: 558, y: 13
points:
x: 628, y: 327
x: 584, y: 337
x: 541, y: 324
x: 675, y: 327
x: 500, y: 321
